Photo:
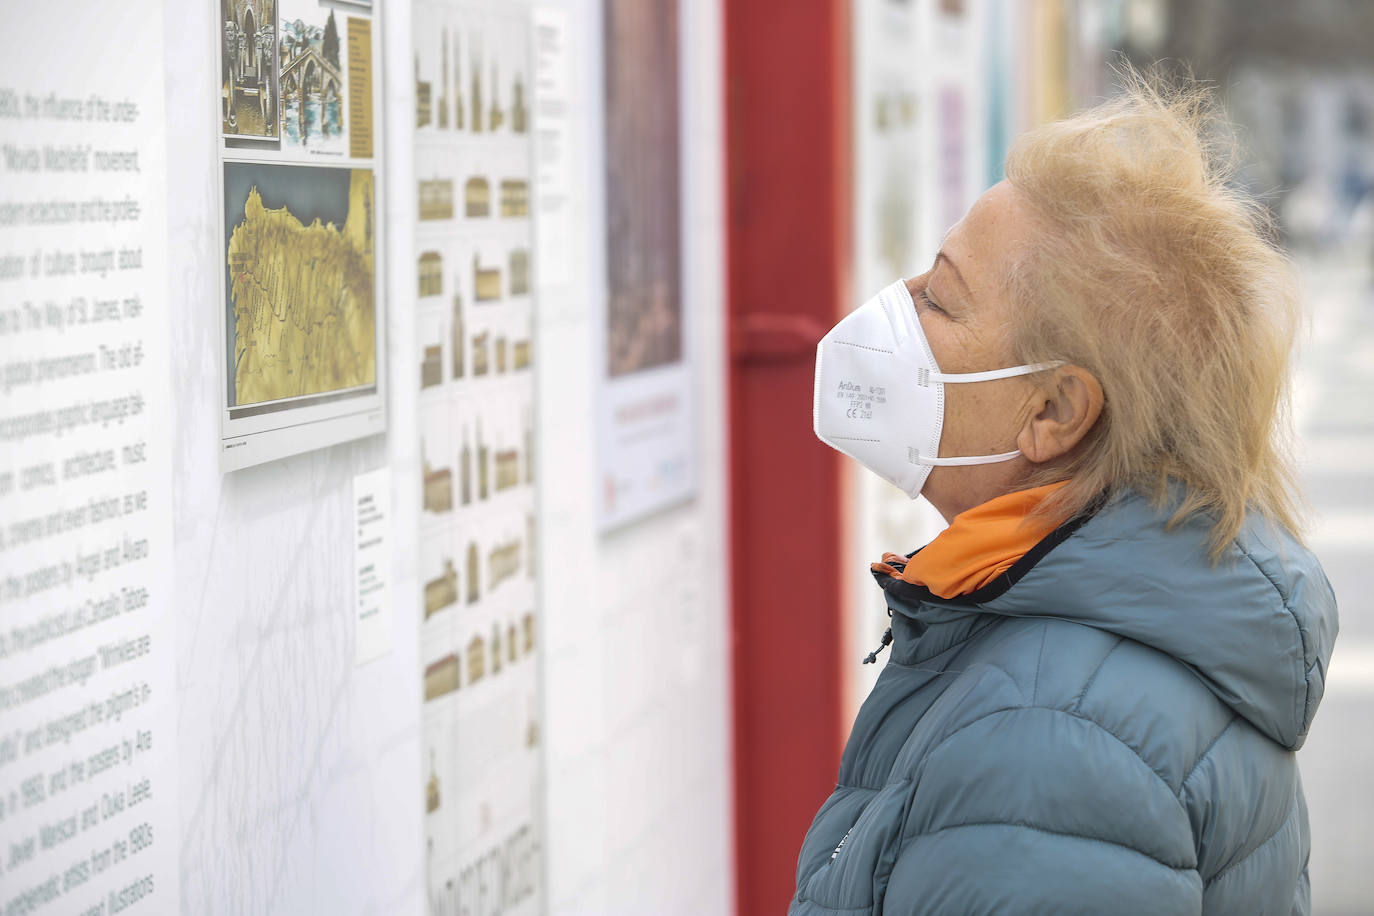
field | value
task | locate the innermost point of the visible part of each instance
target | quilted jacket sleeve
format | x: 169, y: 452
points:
x: 1036, y: 810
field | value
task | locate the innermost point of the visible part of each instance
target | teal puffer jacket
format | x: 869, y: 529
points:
x: 1109, y: 727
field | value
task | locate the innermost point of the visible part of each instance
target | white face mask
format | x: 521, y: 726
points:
x: 880, y: 397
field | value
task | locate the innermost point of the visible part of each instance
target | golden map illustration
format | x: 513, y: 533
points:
x: 304, y: 313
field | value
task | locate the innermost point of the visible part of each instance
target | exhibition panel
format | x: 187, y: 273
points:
x: 474, y: 327
x: 88, y: 692
x: 409, y: 501
x: 283, y: 450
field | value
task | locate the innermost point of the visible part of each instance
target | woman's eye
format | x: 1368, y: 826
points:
x: 930, y: 303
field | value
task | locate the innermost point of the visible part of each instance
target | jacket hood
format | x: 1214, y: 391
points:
x: 1257, y: 627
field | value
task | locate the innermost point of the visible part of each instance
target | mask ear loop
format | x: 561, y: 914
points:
x: 915, y: 457
x: 924, y: 376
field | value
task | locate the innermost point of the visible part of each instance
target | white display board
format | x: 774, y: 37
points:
x: 296, y: 764
x: 88, y: 702
x: 302, y: 241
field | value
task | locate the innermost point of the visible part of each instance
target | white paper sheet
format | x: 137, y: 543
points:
x: 372, y: 563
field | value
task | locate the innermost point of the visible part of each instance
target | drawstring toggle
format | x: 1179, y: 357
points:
x: 887, y: 641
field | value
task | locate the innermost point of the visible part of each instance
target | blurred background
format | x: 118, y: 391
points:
x: 1297, y: 81
x: 936, y: 93
x: 657, y: 610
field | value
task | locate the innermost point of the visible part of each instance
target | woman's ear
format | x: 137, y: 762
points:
x: 1061, y: 415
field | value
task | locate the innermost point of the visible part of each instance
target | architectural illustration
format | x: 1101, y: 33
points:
x: 474, y: 563
x: 503, y: 562
x: 436, y: 199
x: 476, y: 106
x: 465, y: 469
x: 248, y: 68
x: 481, y: 466
x: 311, y: 79
x: 442, y: 677
x: 438, y: 488
x: 459, y: 344
x: 519, y: 272
x: 479, y: 353
x: 507, y: 469
x: 515, y: 198
x: 477, y: 197
x: 432, y: 787
x: 423, y: 105
x: 477, y: 659
x: 457, y: 88
x: 486, y: 281
x: 431, y: 274
x: 441, y: 592
x: 432, y: 366
x: 519, y: 114
x: 497, y: 116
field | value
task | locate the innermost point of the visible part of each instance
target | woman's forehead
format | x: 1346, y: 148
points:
x: 990, y: 234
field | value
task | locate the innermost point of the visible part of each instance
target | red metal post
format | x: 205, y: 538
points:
x: 787, y: 89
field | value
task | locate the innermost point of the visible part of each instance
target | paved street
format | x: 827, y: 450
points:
x: 1335, y: 413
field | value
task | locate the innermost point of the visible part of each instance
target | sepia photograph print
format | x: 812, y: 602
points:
x: 248, y: 69
x: 644, y: 314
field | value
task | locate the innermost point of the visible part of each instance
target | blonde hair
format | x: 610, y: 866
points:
x: 1164, y: 281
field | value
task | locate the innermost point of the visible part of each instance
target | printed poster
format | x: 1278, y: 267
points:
x: 475, y: 356
x: 301, y: 237
x: 646, y: 439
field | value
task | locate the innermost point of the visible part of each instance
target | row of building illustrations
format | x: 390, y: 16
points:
x: 483, y: 657
x: 435, y: 198
x: 443, y: 106
x: 486, y: 281
x: 438, y: 481
x: 503, y: 562
x: 504, y: 354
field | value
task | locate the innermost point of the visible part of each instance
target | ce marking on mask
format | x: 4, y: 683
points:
x: 861, y: 399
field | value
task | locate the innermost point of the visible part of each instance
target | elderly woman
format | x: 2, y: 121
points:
x: 1101, y: 670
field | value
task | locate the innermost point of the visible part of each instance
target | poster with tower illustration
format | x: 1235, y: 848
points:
x: 475, y: 356
x: 313, y: 49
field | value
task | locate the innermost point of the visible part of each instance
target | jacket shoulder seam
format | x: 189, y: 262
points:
x: 1299, y: 701
x: 1081, y: 836
x: 1211, y: 745
x: 1066, y: 712
x: 1039, y: 660
x: 1078, y: 700
x: 1292, y: 809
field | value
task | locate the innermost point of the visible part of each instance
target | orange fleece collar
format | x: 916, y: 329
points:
x: 978, y: 546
